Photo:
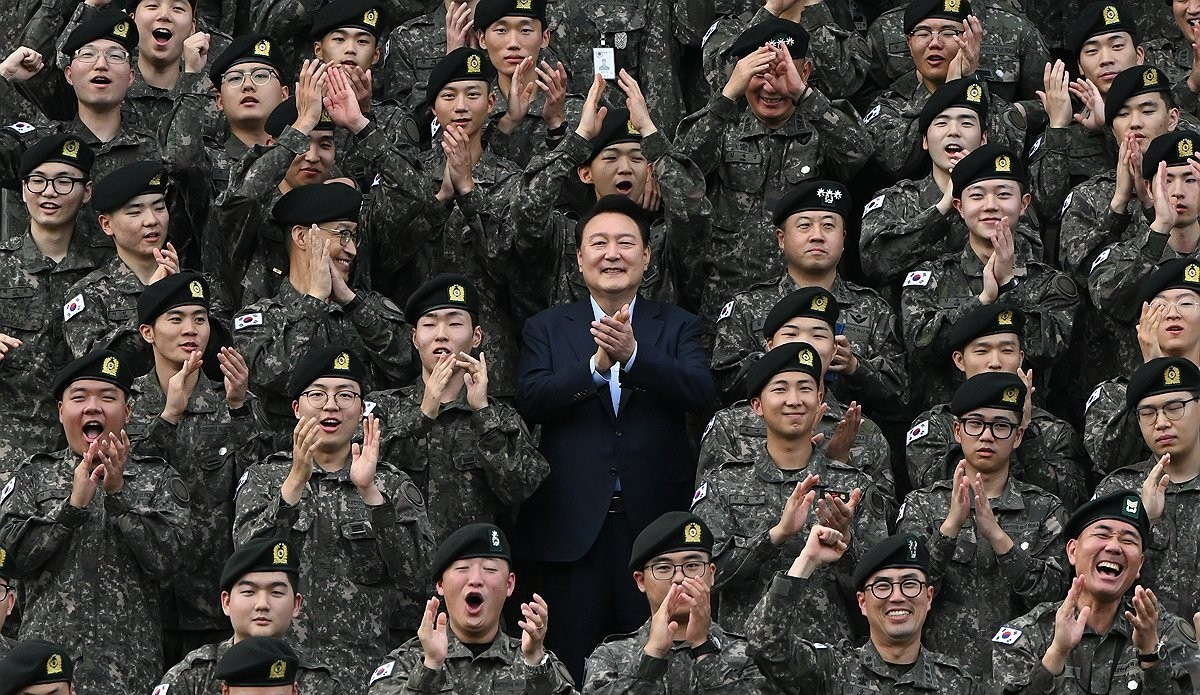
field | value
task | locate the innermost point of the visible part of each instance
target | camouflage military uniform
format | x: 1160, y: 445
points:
x: 545, y: 237
x: 472, y: 465
x: 530, y: 138
x: 1117, y: 273
x: 195, y: 674
x: 1111, y: 433
x: 1172, y: 553
x: 737, y: 434
x: 500, y: 668
x: 101, y: 312
x: 741, y: 500
x: 289, y: 21
x: 1089, y: 224
x: 1051, y: 455
x: 1099, y: 664
x: 354, y: 559
x: 1174, y: 56
x: 869, y: 324
x: 754, y: 166
x: 417, y: 46
x: 976, y: 589
x: 779, y: 645
x: 1061, y: 159
x: 91, y: 575
x: 615, y: 668
x: 902, y: 227
x: 271, y: 333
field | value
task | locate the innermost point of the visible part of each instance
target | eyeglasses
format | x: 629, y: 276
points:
x: 1186, y: 307
x: 259, y: 76
x: 665, y: 571
x: 1148, y: 414
x: 5, y: 590
x: 909, y: 588
x: 344, y: 236
x: 62, y: 184
x: 318, y: 399
x: 88, y: 56
x: 1000, y: 428
x: 926, y: 35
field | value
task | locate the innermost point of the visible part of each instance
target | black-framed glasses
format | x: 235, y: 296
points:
x: 344, y: 236
x: 665, y: 571
x: 318, y: 399
x: 909, y: 588
x: 112, y: 56
x: 62, y: 184
x: 5, y: 590
x: 1148, y: 414
x: 1001, y: 429
x: 259, y: 76
x: 926, y: 35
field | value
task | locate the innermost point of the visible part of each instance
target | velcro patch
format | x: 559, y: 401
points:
x: 701, y: 493
x: 21, y: 128
x: 161, y: 689
x: 1092, y: 398
x: 1037, y: 145
x: 73, y: 307
x: 1099, y: 259
x: 873, y: 113
x: 1007, y: 635
x: 384, y: 671
x: 917, y: 432
x: 12, y: 484
x: 726, y: 311
x: 247, y: 320
x: 875, y: 204
x: 918, y: 278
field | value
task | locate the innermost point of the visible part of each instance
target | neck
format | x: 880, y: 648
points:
x: 792, y: 454
x: 1103, y: 612
x: 104, y: 122
x: 142, y: 266
x: 486, y: 636
x: 1185, y: 466
x: 897, y: 652
x: 610, y: 304
x: 929, y: 83
x: 52, y: 242
x: 250, y: 134
x: 804, y: 278
x: 160, y: 76
x: 333, y: 458
x: 982, y: 248
x: 993, y: 482
x: 1185, y: 239
x: 164, y: 369
x: 942, y: 178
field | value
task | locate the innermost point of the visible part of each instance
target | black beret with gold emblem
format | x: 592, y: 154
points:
x: 97, y: 365
x: 1175, y: 274
x: 367, y: 15
x: 181, y: 289
x: 248, y: 48
x: 34, y: 662
x: 258, y: 662
x: 123, y: 185
x: 1162, y: 375
x: 1122, y: 505
x: 488, y: 12
x: 463, y: 64
x: 1003, y: 390
x: 789, y: 357
x: 987, y: 163
x: 672, y: 532
x: 904, y: 552
x: 260, y: 555
x: 774, y: 31
x: 829, y: 196
x: 111, y: 24
x: 814, y: 302
x: 472, y: 540
x: 1175, y: 148
x: 1129, y: 83
x: 334, y: 362
x: 64, y: 148
x: 1097, y: 19
x: 990, y: 319
x: 8, y: 566
x: 446, y: 291
x: 317, y: 203
x: 285, y: 114
x: 918, y: 10
x: 965, y: 92
x: 617, y: 128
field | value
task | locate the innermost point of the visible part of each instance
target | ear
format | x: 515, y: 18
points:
x: 477, y: 337
x: 511, y: 584
x: 414, y: 339
x: 756, y: 406
x: 1072, y: 545
x: 1141, y: 55
x: 104, y: 224
x: 925, y: 142
x: 320, y: 54
x: 220, y: 102
x: 376, y: 55
x: 87, y: 191
x: 440, y: 592
x: 297, y: 604
x: 225, y: 602
x: 69, y: 74
x: 806, y: 70
x: 779, y: 234
x: 585, y: 175
x: 147, y: 333
x: 862, y: 602
x: 957, y: 203
x: 296, y: 409
x: 639, y: 578
x: 1024, y: 206
x: 1018, y: 436
x: 1173, y: 118
x: 298, y: 237
x: 957, y: 430
x: 983, y: 138
x: 491, y: 101
x: 957, y: 358
x: 545, y: 38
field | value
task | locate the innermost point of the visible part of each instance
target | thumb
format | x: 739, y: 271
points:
x: 356, y: 450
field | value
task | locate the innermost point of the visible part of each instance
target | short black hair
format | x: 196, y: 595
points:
x: 620, y: 205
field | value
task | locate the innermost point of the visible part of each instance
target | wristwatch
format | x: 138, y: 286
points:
x: 1010, y: 285
x: 1159, y: 653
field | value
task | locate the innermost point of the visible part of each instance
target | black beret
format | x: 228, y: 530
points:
x: 1162, y: 375
x: 1122, y: 505
x: 1175, y: 274
x: 248, y: 48
x: 829, y: 196
x: 672, y: 532
x: 111, y: 24
x: 990, y: 319
x: 368, y: 15
x: 773, y: 31
x: 1003, y: 390
x: 817, y: 302
x: 318, y: 202
x: 986, y: 163
x: 461, y: 64
x: 7, y: 564
x: 789, y: 357
x: 472, y: 540
x: 123, y: 185
x: 917, y: 10
x: 1097, y: 19
x: 1175, y: 148
x: 894, y: 551
x: 446, y: 291
x: 336, y: 362
x: 965, y: 92
x: 260, y: 555
x: 285, y: 114
x: 617, y: 128
x: 615, y: 202
x: 64, y: 149
x: 258, y: 662
x: 34, y: 662
x: 488, y: 12
x: 97, y: 365
x: 181, y: 289
x: 1139, y: 79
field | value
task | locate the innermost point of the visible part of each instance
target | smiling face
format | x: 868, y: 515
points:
x: 465, y: 103
x: 613, y: 257
x: 262, y: 604
x: 315, y: 164
x: 620, y: 169
x: 770, y: 106
x: 139, y: 227
x: 932, y: 56
x: 509, y: 40
x: 1103, y: 57
x: 102, y: 84
x: 51, y: 209
x: 1108, y: 556
x: 986, y: 453
x: 91, y: 409
x: 1187, y: 16
x: 1179, y: 331
x: 1146, y: 116
x: 342, y: 255
x: 897, y: 619
x: 816, y: 332
x: 1000, y: 352
x: 177, y: 333
x: 952, y: 135
x: 473, y: 591
x: 337, y: 424
x: 789, y: 405
x: 348, y: 46
x: 162, y: 27
x: 445, y: 332
x: 248, y: 105
x: 1166, y: 436
x: 656, y: 590
x: 985, y: 204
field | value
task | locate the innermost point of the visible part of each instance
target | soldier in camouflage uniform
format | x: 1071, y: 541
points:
x: 672, y: 565
x: 757, y: 508
x: 1161, y: 394
x: 463, y: 649
x: 259, y: 665
x: 1125, y: 643
x: 471, y: 455
x: 37, y: 666
x: 989, y: 193
x: 36, y: 268
x: 259, y: 589
x: 93, y: 529
x: 989, y: 534
x: 360, y: 521
x: 788, y: 133
x: 288, y: 21
x: 892, y: 576
x: 315, y: 305
x: 417, y: 47
x: 1051, y: 455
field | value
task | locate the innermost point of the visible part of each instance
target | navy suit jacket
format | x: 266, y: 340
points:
x: 588, y: 445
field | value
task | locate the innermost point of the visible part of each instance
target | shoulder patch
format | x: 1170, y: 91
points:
x: 414, y: 495
x: 726, y: 311
x: 12, y: 484
x: 247, y: 320
x: 384, y: 671
x: 873, y: 205
x: 179, y: 490
x: 1067, y: 203
x: 1092, y: 398
x: 161, y: 689
x: 918, y: 278
x: 241, y: 482
x: 708, y: 428
x: 73, y: 307
x: 709, y: 33
x: 1065, y: 285
x: 701, y: 493
x: 376, y: 181
x: 1037, y: 145
x: 917, y: 432
x: 1100, y: 259
x: 22, y: 128
x: 873, y: 113
x: 1007, y: 635
x: 369, y: 407
x: 900, y: 513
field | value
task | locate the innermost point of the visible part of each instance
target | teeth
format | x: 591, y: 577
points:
x: 1109, y: 566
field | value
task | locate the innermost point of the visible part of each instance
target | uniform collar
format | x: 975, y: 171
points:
x: 766, y: 470
x: 150, y: 396
x: 922, y: 675
x: 502, y: 649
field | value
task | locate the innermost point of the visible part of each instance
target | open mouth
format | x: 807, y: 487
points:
x: 100, y: 81
x: 935, y: 59
x: 330, y: 424
x: 441, y: 351
x: 1106, y: 568
x: 189, y: 346
x: 92, y: 429
x: 474, y: 603
x: 249, y: 101
x: 898, y: 614
x: 1173, y: 329
x: 624, y: 187
x: 50, y: 207
x: 162, y: 36
x: 613, y: 271
x: 770, y: 100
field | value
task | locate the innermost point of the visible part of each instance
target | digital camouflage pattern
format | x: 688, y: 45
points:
x: 106, y: 318
x: 195, y: 675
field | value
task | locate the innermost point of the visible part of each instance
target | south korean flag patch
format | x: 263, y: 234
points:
x: 12, y: 484
x: 1007, y: 635
x: 726, y: 311
x: 918, y: 278
x: 162, y: 689
x: 873, y: 113
x: 248, y: 320
x: 701, y: 493
x: 1092, y: 398
x: 875, y: 204
x: 384, y: 671
x: 73, y: 307
x: 23, y: 128
x: 917, y: 432
x: 1100, y: 259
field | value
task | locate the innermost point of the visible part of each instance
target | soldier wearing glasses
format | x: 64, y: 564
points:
x: 989, y: 533
x: 8, y: 596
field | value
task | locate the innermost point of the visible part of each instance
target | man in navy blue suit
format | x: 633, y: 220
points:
x: 609, y: 379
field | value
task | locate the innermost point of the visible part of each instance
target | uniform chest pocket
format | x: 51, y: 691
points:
x: 49, y: 498
x: 121, y: 316
x: 802, y: 159
x: 365, y: 565
x: 752, y: 431
x: 966, y: 547
x: 17, y: 312
x: 742, y: 168
x: 1083, y: 159
x: 614, y: 17
x: 748, y: 500
x: 999, y: 63
x: 426, y: 63
x: 508, y: 685
x: 856, y: 331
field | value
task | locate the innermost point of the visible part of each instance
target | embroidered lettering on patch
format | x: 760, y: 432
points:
x: 73, y: 307
x: 918, y: 278
x: 247, y: 320
x: 917, y: 432
x: 875, y: 204
x: 1007, y: 635
x: 701, y: 493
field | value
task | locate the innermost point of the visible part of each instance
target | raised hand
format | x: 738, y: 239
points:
x: 970, y: 45
x: 1154, y: 488
x: 1070, y: 621
x: 844, y: 434
x: 195, y: 52
x: 180, y: 387
x: 459, y: 20
x: 591, y: 119
x: 89, y: 473
x: 960, y: 502
x: 1147, y: 330
x: 168, y: 263
x: 21, y: 65
x: 824, y: 546
x: 1093, y: 117
x: 310, y: 93
x: 305, y: 438
x: 536, y: 616
x: 520, y: 95
x: 476, y: 379
x: 662, y: 625
x: 1144, y: 619
x: 795, y: 510
x: 237, y: 377
x: 435, y: 385
x: 114, y: 453
x: 759, y: 63
x: 1056, y: 97
x: 553, y: 83
x: 364, y: 461
x: 432, y: 633
x: 341, y: 102
x: 635, y: 101
x: 784, y: 77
